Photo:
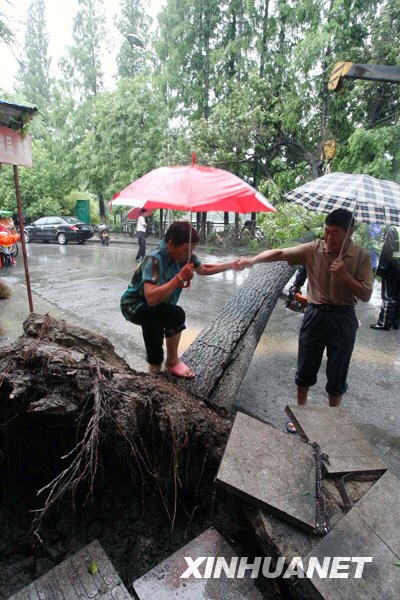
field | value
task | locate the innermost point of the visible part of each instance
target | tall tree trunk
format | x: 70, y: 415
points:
x: 263, y: 49
x: 237, y: 223
x: 324, y: 99
x: 203, y: 225
x: 206, y: 43
x: 198, y: 222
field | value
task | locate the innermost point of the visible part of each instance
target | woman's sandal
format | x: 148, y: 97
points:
x: 290, y: 428
x: 181, y: 370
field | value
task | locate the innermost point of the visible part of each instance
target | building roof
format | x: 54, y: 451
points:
x: 15, y: 116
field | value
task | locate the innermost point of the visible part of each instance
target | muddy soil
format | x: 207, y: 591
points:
x: 132, y: 528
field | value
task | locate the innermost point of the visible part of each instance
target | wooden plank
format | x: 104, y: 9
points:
x: 164, y: 582
x: 270, y: 469
x: 337, y: 437
x: 370, y: 529
x: 73, y: 579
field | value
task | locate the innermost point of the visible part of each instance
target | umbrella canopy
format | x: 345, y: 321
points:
x: 134, y: 213
x: 371, y: 200
x: 192, y: 188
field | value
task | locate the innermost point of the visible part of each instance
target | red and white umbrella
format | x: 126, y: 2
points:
x: 192, y: 188
x: 135, y: 213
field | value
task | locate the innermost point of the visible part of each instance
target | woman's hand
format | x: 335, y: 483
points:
x: 236, y: 265
x: 187, y: 271
x: 244, y: 263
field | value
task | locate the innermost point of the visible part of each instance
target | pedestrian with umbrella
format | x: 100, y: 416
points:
x: 152, y: 296
x: 372, y: 201
x: 339, y: 273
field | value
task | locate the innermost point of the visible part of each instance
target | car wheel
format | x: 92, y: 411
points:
x: 27, y: 237
x: 61, y: 238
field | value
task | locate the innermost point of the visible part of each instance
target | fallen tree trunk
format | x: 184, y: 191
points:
x: 221, y: 354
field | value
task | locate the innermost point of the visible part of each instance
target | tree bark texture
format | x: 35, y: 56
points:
x: 222, y: 352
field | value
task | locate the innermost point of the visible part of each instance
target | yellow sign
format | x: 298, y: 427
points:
x: 329, y: 149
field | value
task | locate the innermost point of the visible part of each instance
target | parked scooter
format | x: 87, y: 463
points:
x: 8, y: 246
x: 7, y: 255
x: 104, y: 234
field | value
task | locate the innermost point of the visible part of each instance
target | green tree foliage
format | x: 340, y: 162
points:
x: 82, y: 67
x: 188, y: 34
x: 43, y: 188
x: 127, y: 137
x: 375, y: 152
x: 6, y: 35
x: 33, y: 79
x: 290, y: 225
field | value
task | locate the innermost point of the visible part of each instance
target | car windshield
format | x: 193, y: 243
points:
x: 72, y: 220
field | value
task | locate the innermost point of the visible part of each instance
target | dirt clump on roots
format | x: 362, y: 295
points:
x: 89, y: 449
x: 5, y: 291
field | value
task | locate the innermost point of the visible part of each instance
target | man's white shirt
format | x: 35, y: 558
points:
x: 141, y: 224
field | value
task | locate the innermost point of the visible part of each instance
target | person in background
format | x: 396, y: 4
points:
x: 389, y: 270
x: 152, y: 296
x: 339, y: 272
x: 141, y: 234
x: 374, y: 233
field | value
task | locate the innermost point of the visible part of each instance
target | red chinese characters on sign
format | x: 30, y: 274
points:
x: 15, y: 149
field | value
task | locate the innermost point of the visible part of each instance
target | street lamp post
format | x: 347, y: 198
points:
x: 136, y: 41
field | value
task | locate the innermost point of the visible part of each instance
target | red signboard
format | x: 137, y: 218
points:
x: 15, y: 149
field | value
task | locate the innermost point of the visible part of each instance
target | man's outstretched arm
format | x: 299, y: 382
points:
x: 264, y: 257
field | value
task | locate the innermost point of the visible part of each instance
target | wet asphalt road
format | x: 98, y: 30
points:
x: 83, y: 284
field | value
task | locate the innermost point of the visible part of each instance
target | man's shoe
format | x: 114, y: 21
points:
x: 379, y: 327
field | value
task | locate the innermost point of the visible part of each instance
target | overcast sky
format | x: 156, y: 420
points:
x: 59, y: 15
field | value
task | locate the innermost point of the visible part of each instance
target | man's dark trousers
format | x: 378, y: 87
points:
x: 142, y: 245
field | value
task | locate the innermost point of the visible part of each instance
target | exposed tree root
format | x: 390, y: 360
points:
x: 58, y: 373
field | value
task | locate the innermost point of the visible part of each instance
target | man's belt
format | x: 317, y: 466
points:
x: 331, y: 307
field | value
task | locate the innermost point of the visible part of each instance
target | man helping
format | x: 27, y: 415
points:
x: 339, y: 272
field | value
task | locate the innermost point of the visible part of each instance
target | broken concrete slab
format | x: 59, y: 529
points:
x: 338, y: 437
x: 369, y: 529
x: 164, y: 582
x: 270, y: 469
x: 88, y: 574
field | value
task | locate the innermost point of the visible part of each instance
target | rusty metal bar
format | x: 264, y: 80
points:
x: 21, y: 231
